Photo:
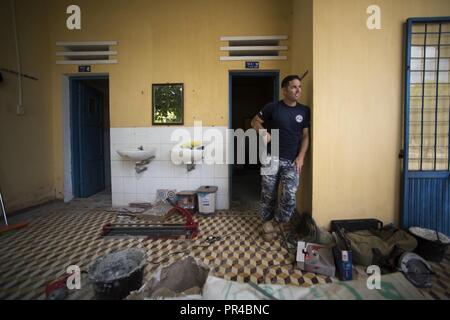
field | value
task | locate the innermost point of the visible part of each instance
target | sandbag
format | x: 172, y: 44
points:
x: 370, y: 246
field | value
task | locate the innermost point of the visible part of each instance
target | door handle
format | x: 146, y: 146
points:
x: 401, y: 154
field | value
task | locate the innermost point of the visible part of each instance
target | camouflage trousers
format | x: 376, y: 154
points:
x: 287, y: 175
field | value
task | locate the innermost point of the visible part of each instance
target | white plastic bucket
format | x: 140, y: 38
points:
x: 207, y: 199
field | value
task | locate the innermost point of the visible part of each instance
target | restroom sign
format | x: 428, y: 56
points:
x: 251, y: 65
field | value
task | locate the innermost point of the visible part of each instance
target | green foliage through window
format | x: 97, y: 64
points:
x: 168, y: 104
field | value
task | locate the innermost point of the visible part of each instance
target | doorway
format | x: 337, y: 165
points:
x: 90, y: 136
x: 426, y: 161
x: 249, y: 92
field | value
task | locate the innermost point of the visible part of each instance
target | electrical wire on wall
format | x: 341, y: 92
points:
x: 20, y: 108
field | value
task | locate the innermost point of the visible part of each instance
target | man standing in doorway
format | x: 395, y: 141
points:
x: 292, y: 119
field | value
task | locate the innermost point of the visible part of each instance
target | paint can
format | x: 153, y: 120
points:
x: 207, y: 199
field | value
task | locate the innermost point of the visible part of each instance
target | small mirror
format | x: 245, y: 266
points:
x: 167, y: 104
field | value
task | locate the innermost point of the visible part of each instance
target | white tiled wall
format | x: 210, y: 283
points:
x: 129, y: 186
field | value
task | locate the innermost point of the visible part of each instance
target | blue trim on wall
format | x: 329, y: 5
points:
x: 430, y: 19
x: 406, y: 126
x: 74, y: 87
x: 428, y: 174
x: 425, y: 193
x: 74, y: 122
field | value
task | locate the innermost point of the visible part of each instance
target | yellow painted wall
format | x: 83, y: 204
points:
x: 26, y: 142
x: 302, y: 60
x: 165, y: 41
x: 357, y: 86
x: 358, y: 107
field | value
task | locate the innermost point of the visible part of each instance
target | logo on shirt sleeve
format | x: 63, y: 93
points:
x: 299, y: 118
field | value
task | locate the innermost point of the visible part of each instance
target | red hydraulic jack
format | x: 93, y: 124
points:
x: 156, y: 230
x: 57, y: 290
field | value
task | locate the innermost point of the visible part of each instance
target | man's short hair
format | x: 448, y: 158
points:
x: 285, y: 82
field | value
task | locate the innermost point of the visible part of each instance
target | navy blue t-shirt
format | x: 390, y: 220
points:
x: 290, y: 121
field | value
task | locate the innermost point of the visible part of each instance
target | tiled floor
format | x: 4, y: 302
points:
x: 61, y: 234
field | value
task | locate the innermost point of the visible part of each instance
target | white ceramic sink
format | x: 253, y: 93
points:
x: 137, y: 154
x: 187, y: 156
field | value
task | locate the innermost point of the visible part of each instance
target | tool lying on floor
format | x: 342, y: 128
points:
x: 156, y: 230
x: 58, y: 290
x: 9, y: 227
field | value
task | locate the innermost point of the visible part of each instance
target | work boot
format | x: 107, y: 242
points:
x: 269, y: 231
x: 284, y: 227
x: 288, y: 238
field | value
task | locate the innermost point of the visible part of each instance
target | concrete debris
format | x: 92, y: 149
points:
x: 183, y: 278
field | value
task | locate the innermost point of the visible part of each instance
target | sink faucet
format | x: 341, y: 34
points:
x: 141, y: 148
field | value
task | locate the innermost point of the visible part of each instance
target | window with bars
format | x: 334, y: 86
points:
x: 429, y: 96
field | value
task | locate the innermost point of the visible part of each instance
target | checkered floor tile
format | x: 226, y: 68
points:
x: 60, y: 235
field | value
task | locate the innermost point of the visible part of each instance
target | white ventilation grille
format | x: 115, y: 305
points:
x: 253, y: 48
x: 88, y: 52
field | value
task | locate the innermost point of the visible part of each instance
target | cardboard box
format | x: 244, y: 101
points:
x: 312, y: 257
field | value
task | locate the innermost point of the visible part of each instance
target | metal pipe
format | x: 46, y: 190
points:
x: 19, y: 66
x: 304, y: 75
x: 437, y: 97
x: 16, y: 73
x: 423, y: 95
x: 3, y: 208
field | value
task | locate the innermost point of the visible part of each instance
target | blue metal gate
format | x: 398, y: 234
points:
x: 426, y: 166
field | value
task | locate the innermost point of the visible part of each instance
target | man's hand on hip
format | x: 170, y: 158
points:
x: 267, y: 138
x: 298, y: 162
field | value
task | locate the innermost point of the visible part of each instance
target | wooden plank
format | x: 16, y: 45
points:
x: 15, y: 226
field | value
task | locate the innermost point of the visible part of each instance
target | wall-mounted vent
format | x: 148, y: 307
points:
x: 253, y: 48
x: 88, y: 52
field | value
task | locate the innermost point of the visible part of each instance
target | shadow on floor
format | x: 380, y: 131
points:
x: 246, y: 189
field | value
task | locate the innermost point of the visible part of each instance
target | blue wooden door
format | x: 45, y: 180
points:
x: 88, y: 153
x: 426, y: 167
